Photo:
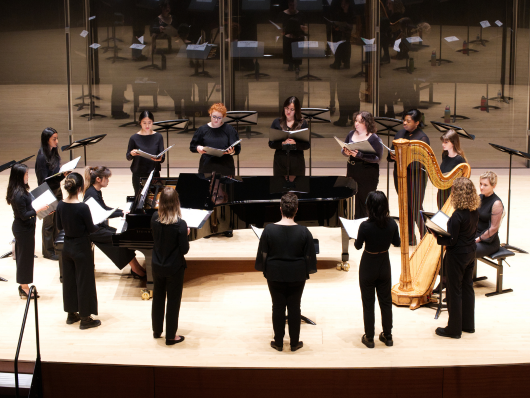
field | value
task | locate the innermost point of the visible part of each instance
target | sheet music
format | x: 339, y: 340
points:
x: 44, y: 196
x: 393, y: 152
x: 219, y: 152
x: 149, y: 156
x: 122, y: 223
x: 71, y: 165
x: 334, y: 46
x: 352, y: 226
x: 282, y: 135
x: 195, y: 218
x: 257, y: 231
x: 361, y: 146
x: 437, y: 223
x: 99, y: 214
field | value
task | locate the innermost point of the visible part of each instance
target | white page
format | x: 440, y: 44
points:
x: 308, y: 44
x: 368, y: 41
x: 485, y: 24
x: 233, y: 145
x: 141, y: 39
x: 370, y: 48
x: 257, y: 231
x: 396, y: 45
x: 46, y: 198
x: 498, y: 23
x: 451, y: 38
x: 95, y: 46
x: 83, y: 33
x: 199, y: 47
x: 194, y: 217
x: 352, y: 226
x: 334, y: 46
x: 137, y: 46
x: 69, y: 166
x: 247, y: 43
x: 99, y: 214
x: 440, y: 219
x: 414, y: 39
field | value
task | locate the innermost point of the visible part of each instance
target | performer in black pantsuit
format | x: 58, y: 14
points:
x: 79, y: 284
x: 148, y: 141
x: 294, y: 29
x: 490, y: 216
x: 452, y: 156
x: 459, y: 259
x: 363, y: 167
x: 170, y: 236
x: 48, y: 163
x: 416, y: 175
x: 95, y: 179
x: 19, y: 197
x: 377, y: 234
x: 286, y: 256
x: 292, y: 163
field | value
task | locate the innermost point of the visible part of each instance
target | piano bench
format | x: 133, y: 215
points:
x: 58, y: 245
x: 500, y: 256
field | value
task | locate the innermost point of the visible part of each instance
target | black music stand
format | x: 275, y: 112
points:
x: 389, y: 130
x: 152, y: 65
x: 308, y: 49
x: 444, y: 127
x: 469, y: 50
x: 440, y: 60
x: 246, y: 118
x: 83, y: 143
x: 318, y: 115
x: 455, y: 116
x: 249, y: 49
x: 487, y: 106
x: 480, y: 39
x: 10, y: 164
x: 173, y: 125
x: 196, y: 52
x: 523, y: 155
x: 276, y: 135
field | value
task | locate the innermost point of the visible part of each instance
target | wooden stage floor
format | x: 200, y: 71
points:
x: 226, y: 308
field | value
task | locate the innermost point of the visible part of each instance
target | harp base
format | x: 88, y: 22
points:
x: 411, y: 299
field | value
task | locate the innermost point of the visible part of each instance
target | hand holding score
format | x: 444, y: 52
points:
x: 289, y: 141
x: 230, y: 151
x: 45, y: 207
x: 134, y: 153
x: 200, y: 149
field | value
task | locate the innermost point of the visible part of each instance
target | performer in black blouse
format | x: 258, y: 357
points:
x: 19, y: 197
x: 490, y: 216
x: 218, y: 135
x: 286, y: 256
x: 294, y: 29
x: 170, y: 237
x: 292, y: 163
x: 452, y: 156
x: 79, y: 284
x: 48, y: 163
x: 363, y: 167
x: 377, y: 234
x: 97, y: 178
x: 459, y: 259
x: 416, y: 175
x: 148, y: 141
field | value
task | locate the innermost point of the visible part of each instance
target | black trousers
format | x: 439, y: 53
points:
x: 136, y: 181
x: 49, y: 234
x: 79, y: 283
x: 286, y: 295
x: 172, y: 287
x: 485, y: 249
x: 460, y: 293
x: 367, y: 177
x: 375, y: 277
x: 102, y: 238
x: 24, y: 251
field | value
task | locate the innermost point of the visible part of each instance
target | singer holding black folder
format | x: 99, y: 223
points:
x: 289, y: 162
x: 148, y: 141
x: 47, y: 164
x: 363, y: 167
x: 219, y: 135
x: 19, y: 197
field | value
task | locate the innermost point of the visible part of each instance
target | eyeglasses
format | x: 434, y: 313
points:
x: 217, y: 117
x: 289, y: 109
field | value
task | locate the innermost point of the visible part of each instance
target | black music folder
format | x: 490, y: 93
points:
x: 436, y: 223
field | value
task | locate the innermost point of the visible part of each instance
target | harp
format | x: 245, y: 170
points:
x: 419, y: 270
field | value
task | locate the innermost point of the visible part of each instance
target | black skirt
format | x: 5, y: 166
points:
x: 24, y: 251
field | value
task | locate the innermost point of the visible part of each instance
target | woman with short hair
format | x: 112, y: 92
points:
x: 490, y: 216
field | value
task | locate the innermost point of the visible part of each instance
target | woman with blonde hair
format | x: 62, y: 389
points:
x: 170, y: 236
x: 452, y: 156
x: 490, y: 216
x: 459, y: 259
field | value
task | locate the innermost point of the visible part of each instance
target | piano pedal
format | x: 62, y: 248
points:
x: 146, y: 294
x: 343, y: 266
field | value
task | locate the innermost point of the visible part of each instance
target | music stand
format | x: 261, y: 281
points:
x: 487, y: 106
x: 10, y: 164
x: 444, y: 127
x: 83, y: 143
x: 523, y: 155
x: 173, y: 125
x: 280, y: 135
x: 308, y: 49
x: 319, y: 115
x: 196, y: 52
x: 455, y: 116
x: 389, y: 130
x: 246, y: 118
x: 480, y: 39
x: 469, y: 50
x: 249, y: 49
x: 440, y: 60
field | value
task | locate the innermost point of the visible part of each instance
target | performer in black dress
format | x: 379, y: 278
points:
x: 452, y: 156
x: 416, y: 175
x: 363, y: 167
x: 377, y: 234
x: 292, y: 163
x: 170, y: 236
x: 286, y: 256
x: 294, y: 29
x: 79, y: 284
x: 459, y: 259
x: 490, y: 216
x: 218, y: 135
x: 48, y: 163
x: 95, y: 179
x: 19, y: 197
x: 148, y: 141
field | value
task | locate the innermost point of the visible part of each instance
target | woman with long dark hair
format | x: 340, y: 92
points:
x: 292, y: 163
x: 97, y: 178
x: 452, y: 156
x: 79, y: 284
x: 19, y: 197
x: 148, y: 141
x: 48, y: 163
x: 377, y: 234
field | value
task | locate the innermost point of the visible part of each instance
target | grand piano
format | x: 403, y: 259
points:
x: 232, y: 203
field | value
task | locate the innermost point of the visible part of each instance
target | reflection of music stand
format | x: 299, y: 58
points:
x: 444, y: 127
x: 455, y: 116
x: 440, y: 60
x: 480, y: 39
x: 249, y: 49
x: 487, y: 106
x: 202, y: 5
x: 389, y: 130
x: 152, y: 65
x: 173, y: 125
x: 469, y: 50
x: 196, y: 52
x: 83, y: 143
x: 246, y: 118
x: 318, y: 115
x: 523, y: 155
x: 308, y: 49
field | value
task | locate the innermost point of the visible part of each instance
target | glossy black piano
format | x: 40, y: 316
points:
x: 236, y: 203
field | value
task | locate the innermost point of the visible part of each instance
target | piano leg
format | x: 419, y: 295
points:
x: 344, y: 265
x: 148, y: 254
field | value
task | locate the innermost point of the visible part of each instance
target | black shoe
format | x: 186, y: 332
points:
x: 23, y: 295
x: 53, y: 257
x: 341, y: 122
x: 468, y: 330
x: 386, y: 339
x: 276, y: 347
x: 73, y: 317
x: 334, y: 66
x: 368, y: 342
x: 140, y: 58
x: 87, y: 323
x: 229, y: 234
x: 121, y: 115
x: 136, y: 276
x: 298, y: 346
x: 443, y: 333
x: 173, y: 341
x: 157, y: 335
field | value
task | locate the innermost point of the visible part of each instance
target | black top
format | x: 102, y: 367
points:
x: 170, y: 245
x: 449, y: 163
x: 218, y: 138
x: 75, y: 219
x: 413, y: 168
x: 286, y: 253
x: 153, y: 144
x: 463, y: 227
x: 300, y: 145
x: 23, y: 211
x: 375, y: 142
x: 291, y: 23
x: 376, y: 239
x: 485, y: 210
x: 43, y: 171
x: 92, y: 192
